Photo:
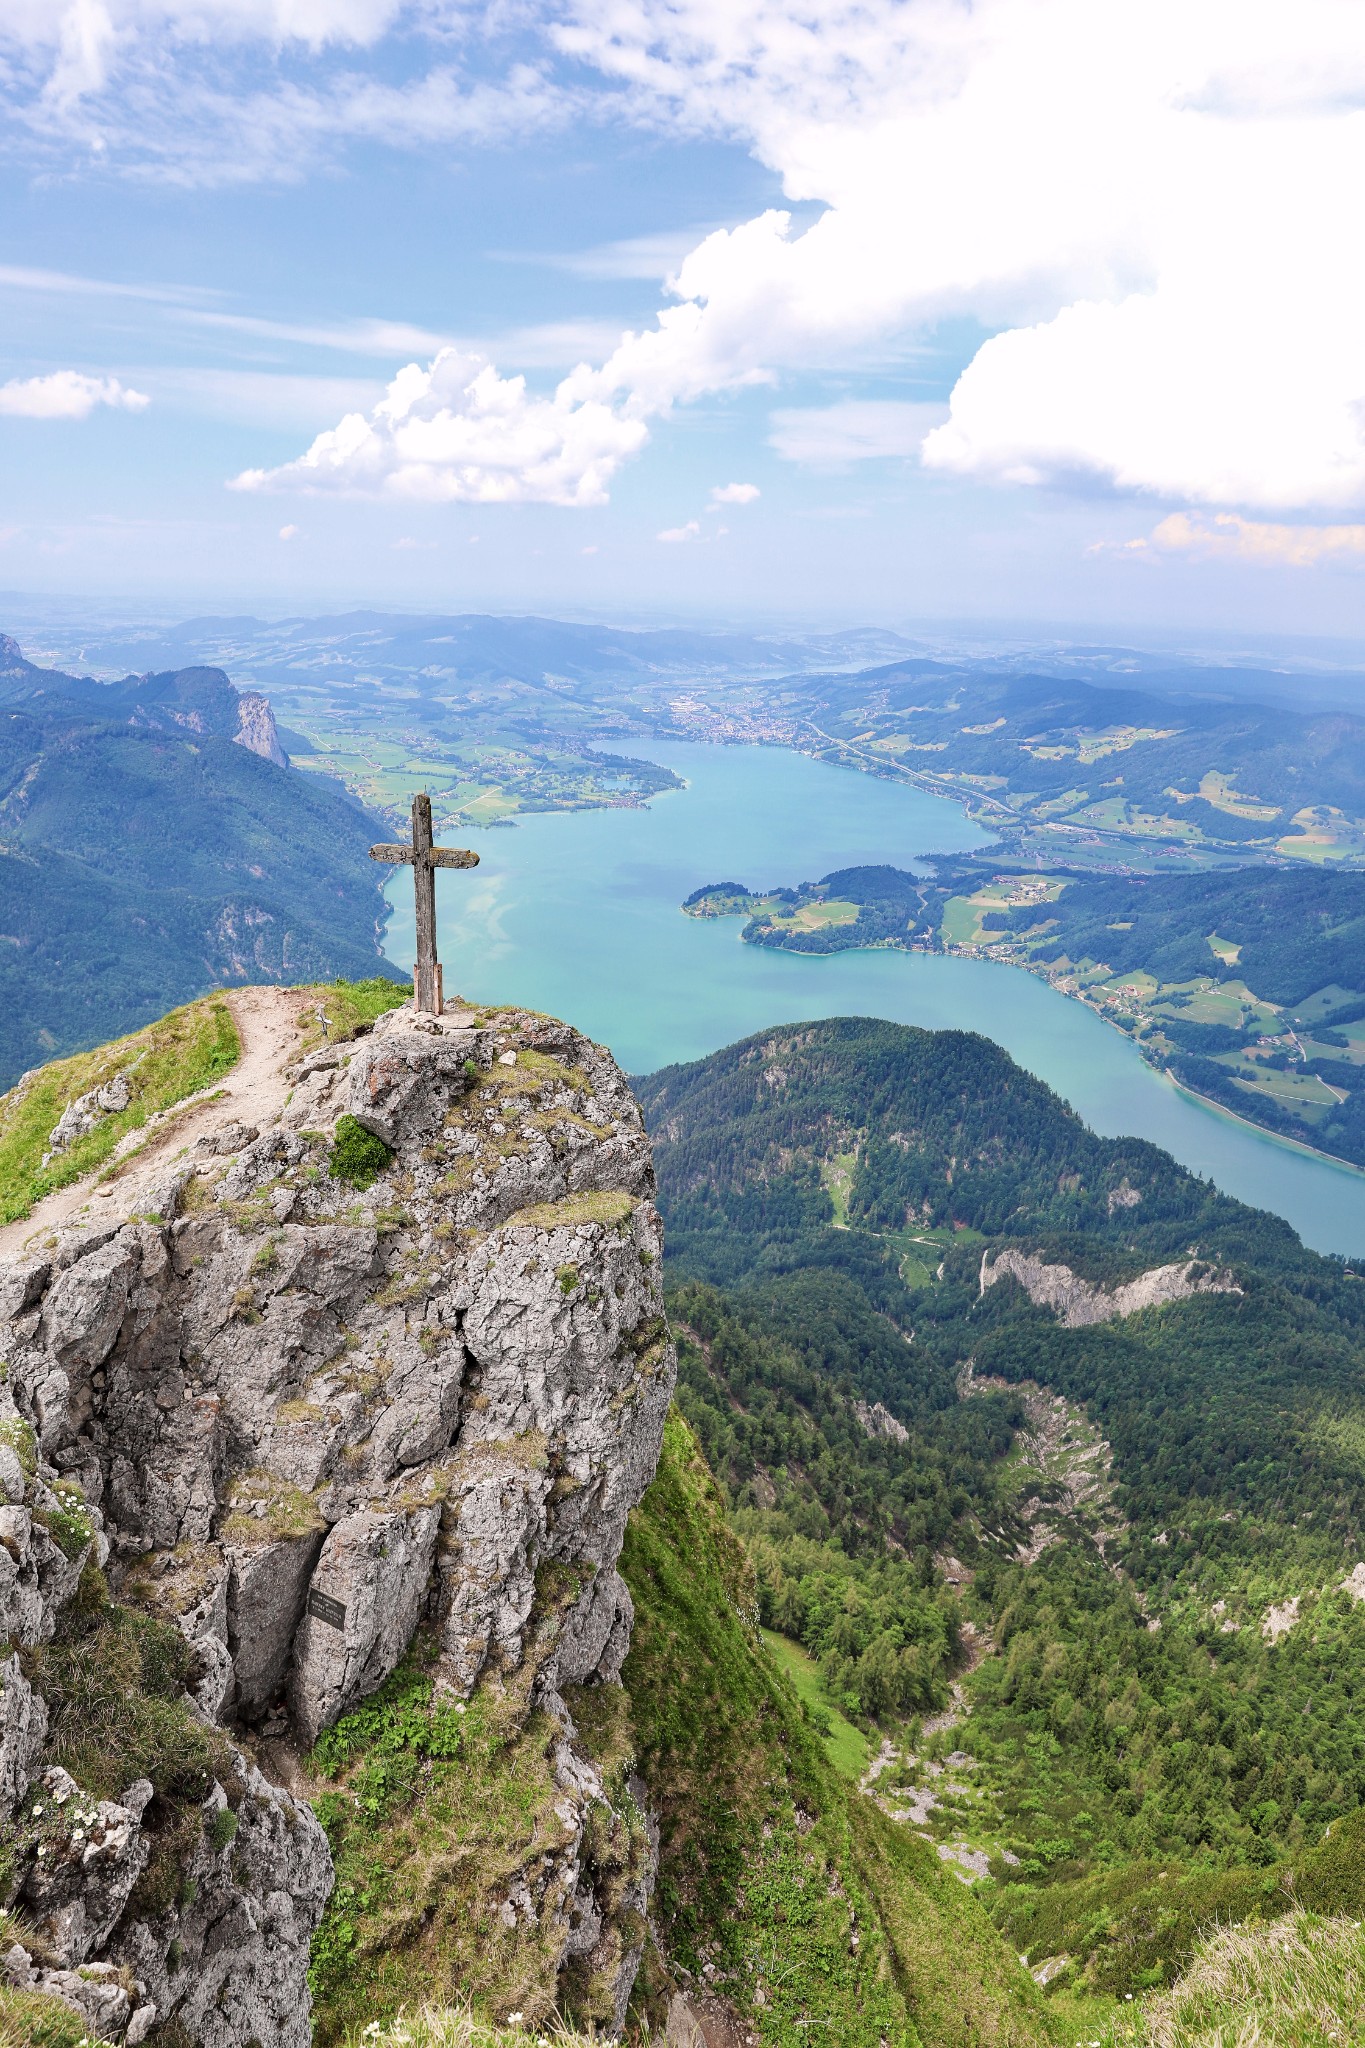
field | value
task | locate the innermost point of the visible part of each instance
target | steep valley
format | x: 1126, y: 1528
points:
x: 1102, y: 1611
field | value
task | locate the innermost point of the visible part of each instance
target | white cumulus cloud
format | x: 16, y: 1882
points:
x: 734, y: 494
x: 1149, y: 205
x: 692, y: 531
x: 66, y: 395
x: 457, y: 432
x: 1152, y: 198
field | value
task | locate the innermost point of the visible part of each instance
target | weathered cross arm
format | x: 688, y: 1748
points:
x: 434, y: 856
x: 424, y: 858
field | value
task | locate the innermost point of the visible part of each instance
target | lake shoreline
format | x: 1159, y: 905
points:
x: 577, y: 913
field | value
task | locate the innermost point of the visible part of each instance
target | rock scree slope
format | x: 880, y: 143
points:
x: 388, y: 1360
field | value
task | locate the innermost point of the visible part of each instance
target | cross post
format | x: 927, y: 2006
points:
x: 424, y: 859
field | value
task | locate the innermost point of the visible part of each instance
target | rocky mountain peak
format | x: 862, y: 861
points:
x: 390, y: 1359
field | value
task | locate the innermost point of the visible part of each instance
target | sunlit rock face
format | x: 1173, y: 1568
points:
x: 393, y: 1360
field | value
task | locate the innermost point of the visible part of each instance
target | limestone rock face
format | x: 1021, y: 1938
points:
x: 1075, y: 1302
x: 298, y: 1417
x: 256, y: 729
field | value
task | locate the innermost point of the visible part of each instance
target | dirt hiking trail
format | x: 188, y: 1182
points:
x: 269, y: 1022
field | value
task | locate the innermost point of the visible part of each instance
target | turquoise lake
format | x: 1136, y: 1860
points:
x: 578, y: 913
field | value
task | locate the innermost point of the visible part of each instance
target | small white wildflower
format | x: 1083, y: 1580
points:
x: 514, y: 2019
x: 37, y: 1812
x: 78, y: 1835
x: 371, y: 2030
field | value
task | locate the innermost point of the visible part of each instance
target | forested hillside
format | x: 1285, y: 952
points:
x: 149, y: 851
x: 1123, y: 1530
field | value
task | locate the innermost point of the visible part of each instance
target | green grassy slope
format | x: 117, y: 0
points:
x: 781, y: 1890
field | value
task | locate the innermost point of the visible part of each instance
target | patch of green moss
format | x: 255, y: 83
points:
x: 222, y: 1829
x: 163, y: 1063
x: 357, y: 1155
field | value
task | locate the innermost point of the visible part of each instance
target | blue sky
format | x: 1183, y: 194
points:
x: 1028, y: 309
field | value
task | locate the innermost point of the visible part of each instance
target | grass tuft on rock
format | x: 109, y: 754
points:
x: 453, y: 2027
x: 264, y: 1508
x: 30, y: 2019
x: 608, y: 1208
x: 114, y: 1682
x: 344, y: 1008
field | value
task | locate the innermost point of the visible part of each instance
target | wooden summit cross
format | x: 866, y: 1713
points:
x: 424, y: 859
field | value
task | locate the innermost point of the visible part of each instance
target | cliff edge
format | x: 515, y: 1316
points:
x: 374, y: 1378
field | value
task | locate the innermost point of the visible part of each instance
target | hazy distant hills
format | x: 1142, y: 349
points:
x: 479, y: 646
x: 151, y: 846
x: 476, y: 647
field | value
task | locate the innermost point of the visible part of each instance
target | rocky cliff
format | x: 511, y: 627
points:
x: 1076, y: 1302
x: 256, y: 728
x: 386, y: 1364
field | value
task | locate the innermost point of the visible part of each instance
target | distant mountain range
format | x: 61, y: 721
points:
x: 475, y: 647
x: 154, y: 842
x: 472, y: 647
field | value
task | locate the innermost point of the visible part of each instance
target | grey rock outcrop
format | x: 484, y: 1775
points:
x: 1075, y: 1302
x: 876, y: 1420
x: 256, y: 728
x: 300, y: 1417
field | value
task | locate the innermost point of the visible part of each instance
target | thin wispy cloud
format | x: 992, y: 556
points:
x: 62, y: 283
x: 382, y: 339
x: 854, y: 430
x: 652, y: 258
